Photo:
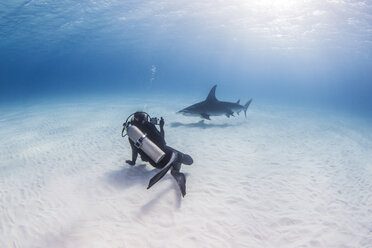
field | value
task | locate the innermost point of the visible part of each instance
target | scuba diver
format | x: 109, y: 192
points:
x: 146, y: 140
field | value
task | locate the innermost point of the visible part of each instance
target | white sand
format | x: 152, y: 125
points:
x: 280, y: 178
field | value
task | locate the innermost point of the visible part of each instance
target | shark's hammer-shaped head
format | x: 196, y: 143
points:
x: 190, y: 111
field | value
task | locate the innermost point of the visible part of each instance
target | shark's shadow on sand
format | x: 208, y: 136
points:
x: 127, y: 177
x: 201, y: 124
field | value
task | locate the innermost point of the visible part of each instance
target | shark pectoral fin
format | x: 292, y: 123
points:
x: 205, y: 116
x: 229, y: 113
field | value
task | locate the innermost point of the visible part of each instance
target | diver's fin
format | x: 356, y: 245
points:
x: 162, y: 173
x: 205, y: 116
x: 158, y: 176
x: 187, y: 159
x: 212, y: 95
x: 181, y: 181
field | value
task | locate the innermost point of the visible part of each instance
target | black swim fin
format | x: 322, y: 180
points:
x: 162, y: 173
x: 159, y: 176
x: 181, y: 181
x: 187, y: 159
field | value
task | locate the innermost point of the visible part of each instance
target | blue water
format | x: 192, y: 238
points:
x: 299, y: 53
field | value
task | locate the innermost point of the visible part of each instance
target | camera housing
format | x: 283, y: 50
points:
x: 154, y: 120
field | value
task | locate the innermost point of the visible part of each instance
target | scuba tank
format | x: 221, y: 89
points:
x: 142, y: 142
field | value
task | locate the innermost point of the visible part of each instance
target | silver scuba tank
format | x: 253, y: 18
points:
x: 142, y: 142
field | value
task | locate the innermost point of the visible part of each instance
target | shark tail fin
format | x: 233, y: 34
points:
x: 246, y: 107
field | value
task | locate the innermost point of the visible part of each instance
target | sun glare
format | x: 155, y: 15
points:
x: 278, y: 4
x: 282, y: 23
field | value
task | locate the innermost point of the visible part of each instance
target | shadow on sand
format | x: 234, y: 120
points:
x: 158, y: 197
x: 201, y: 124
x: 173, y: 187
x: 127, y: 177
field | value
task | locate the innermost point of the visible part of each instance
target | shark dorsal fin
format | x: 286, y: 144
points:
x: 238, y: 102
x: 212, y: 94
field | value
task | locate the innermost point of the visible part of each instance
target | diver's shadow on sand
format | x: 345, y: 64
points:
x: 146, y: 208
x: 158, y: 198
x: 129, y: 176
x: 201, y: 124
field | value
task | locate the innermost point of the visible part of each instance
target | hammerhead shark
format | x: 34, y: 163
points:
x: 213, y: 107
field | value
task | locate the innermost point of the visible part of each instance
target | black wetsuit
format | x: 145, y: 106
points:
x: 155, y: 136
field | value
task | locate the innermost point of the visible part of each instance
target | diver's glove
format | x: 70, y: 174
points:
x: 130, y: 162
x: 161, y: 123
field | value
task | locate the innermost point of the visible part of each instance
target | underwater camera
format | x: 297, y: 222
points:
x: 154, y: 120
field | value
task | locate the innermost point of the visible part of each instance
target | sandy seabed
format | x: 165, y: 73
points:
x: 282, y: 177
